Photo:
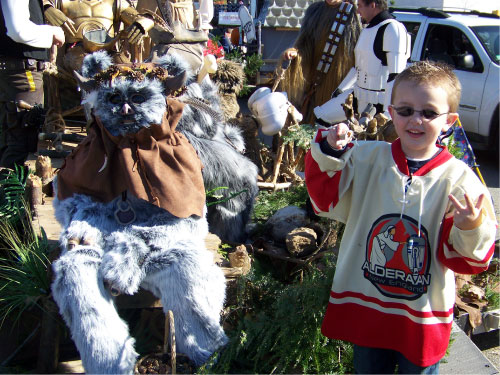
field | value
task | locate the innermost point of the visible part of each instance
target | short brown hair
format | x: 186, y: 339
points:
x: 380, y: 4
x: 435, y: 74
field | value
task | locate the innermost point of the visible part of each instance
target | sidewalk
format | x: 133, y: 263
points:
x: 465, y: 357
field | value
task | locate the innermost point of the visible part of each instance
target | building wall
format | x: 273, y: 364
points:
x: 480, y: 5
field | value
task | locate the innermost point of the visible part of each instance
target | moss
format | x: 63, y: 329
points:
x: 277, y: 327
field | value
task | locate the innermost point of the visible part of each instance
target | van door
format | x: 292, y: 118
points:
x: 413, y: 27
x: 452, y: 45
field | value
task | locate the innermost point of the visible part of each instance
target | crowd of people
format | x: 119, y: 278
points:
x: 426, y: 215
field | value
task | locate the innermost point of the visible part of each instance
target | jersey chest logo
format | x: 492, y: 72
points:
x: 397, y: 258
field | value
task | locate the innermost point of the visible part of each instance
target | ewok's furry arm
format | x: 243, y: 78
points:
x: 220, y: 147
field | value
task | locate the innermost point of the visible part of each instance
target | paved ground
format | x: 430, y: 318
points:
x: 488, y: 343
x: 465, y: 357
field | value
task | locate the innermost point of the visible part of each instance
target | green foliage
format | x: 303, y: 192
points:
x: 12, y: 189
x: 268, y: 202
x: 23, y: 268
x: 216, y: 38
x: 223, y: 249
x: 245, y: 91
x: 488, y: 281
x: 252, y: 65
x: 493, y: 298
x: 492, y: 279
x: 301, y: 135
x: 235, y: 55
x: 453, y: 148
x: 279, y: 328
x: 214, y: 198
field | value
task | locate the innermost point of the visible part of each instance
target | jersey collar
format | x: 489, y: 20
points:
x: 400, y: 159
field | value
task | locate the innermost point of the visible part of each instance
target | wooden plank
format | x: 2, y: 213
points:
x: 47, y: 220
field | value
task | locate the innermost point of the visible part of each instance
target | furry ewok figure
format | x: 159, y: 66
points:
x: 131, y: 202
x: 220, y: 147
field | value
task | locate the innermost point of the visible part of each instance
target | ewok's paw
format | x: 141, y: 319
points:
x: 122, y: 263
x: 80, y: 233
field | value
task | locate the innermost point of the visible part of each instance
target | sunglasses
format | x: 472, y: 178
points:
x: 428, y: 114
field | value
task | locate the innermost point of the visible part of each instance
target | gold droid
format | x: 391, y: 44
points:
x: 90, y: 25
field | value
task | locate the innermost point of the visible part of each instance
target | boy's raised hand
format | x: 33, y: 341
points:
x: 469, y: 216
x: 338, y: 136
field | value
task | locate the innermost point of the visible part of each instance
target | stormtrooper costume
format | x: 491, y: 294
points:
x: 381, y: 52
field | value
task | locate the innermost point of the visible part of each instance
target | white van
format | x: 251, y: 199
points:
x: 469, y: 41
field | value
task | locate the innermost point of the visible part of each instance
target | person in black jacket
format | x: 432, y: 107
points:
x: 25, y: 44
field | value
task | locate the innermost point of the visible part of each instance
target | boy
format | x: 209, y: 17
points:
x: 413, y: 215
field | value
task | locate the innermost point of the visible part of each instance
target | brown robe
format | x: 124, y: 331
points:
x: 157, y: 164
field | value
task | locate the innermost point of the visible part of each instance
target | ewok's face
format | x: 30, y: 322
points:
x: 127, y: 106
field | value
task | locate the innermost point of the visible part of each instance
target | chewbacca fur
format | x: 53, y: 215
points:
x: 299, y: 77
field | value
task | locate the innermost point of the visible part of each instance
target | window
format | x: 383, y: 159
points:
x: 412, y: 28
x: 450, y: 45
x: 489, y: 37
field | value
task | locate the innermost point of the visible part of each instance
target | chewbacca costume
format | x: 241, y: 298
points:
x: 300, y: 77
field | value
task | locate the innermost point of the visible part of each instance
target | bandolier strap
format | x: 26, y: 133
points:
x: 334, y: 38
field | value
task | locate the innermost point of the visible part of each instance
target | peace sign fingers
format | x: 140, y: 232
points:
x: 468, y: 216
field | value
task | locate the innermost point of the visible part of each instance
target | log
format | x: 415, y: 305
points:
x: 270, y: 185
x: 35, y: 194
x: 212, y: 242
x: 69, y: 137
x: 300, y: 156
x: 277, y: 162
x: 230, y: 272
x: 54, y: 153
x: 72, y: 110
x: 43, y: 168
x: 171, y: 335
x: 48, y: 350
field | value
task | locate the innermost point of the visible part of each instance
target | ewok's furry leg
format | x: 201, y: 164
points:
x: 100, y: 335
x: 193, y: 287
x: 125, y: 252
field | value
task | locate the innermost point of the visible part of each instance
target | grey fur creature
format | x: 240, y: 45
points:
x: 220, y: 147
x: 158, y: 252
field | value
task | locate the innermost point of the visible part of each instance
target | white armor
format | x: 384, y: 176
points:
x: 369, y: 77
x: 372, y: 76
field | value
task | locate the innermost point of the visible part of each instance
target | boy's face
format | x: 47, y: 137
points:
x: 419, y: 134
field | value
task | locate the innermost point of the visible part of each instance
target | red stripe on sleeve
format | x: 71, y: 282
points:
x: 459, y: 264
x: 323, y: 189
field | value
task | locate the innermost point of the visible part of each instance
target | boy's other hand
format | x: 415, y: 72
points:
x: 338, y: 136
x: 468, y: 216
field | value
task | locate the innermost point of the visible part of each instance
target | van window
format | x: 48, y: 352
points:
x: 450, y: 45
x: 412, y: 28
x: 489, y: 37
